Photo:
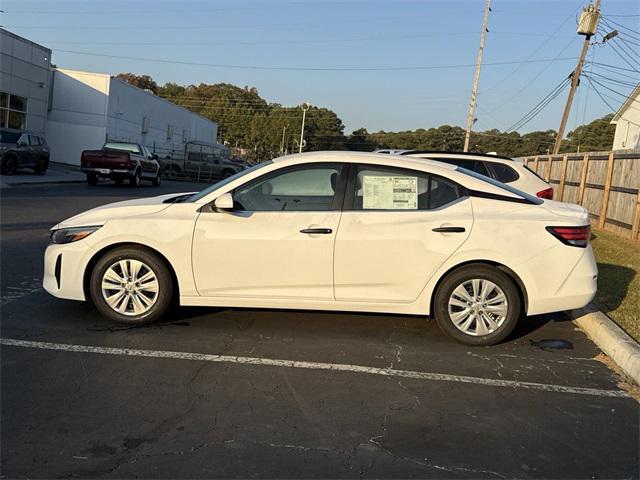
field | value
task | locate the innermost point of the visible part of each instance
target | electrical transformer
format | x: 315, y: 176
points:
x: 588, y: 23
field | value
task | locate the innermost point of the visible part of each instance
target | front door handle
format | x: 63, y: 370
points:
x: 316, y: 231
x: 448, y: 229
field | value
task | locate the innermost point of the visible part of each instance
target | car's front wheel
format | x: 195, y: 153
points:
x: 9, y: 165
x: 131, y: 285
x: 477, y: 305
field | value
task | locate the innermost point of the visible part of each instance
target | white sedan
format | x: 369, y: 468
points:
x: 334, y: 231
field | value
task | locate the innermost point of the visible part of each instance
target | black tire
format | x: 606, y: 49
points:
x: 41, y: 166
x: 135, y: 180
x: 9, y: 165
x: 465, y: 274
x: 163, y: 300
x: 157, y: 180
x: 92, y: 179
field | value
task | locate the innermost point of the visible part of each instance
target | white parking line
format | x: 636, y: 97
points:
x: 337, y: 367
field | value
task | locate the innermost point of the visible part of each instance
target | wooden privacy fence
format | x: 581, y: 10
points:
x: 605, y: 183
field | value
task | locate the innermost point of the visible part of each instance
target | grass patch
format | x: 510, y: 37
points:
x: 618, y: 280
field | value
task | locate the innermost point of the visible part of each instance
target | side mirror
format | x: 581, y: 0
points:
x: 224, y: 202
x: 153, y: 157
x: 22, y: 144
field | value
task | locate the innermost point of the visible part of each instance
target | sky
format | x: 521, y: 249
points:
x: 383, y: 65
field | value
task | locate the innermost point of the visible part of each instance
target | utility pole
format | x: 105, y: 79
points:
x: 587, y: 26
x: 305, y: 107
x: 476, y: 78
x: 284, y: 129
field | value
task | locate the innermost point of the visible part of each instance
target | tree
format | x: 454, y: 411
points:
x: 359, y: 140
x: 141, y: 81
x: 595, y: 136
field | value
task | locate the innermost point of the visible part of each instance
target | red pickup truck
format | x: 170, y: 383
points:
x: 121, y: 161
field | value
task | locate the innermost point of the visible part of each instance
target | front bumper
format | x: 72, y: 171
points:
x: 64, y: 267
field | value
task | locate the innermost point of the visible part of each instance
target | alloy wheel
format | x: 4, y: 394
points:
x: 130, y: 287
x: 478, y: 307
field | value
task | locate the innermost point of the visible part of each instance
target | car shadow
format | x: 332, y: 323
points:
x: 609, y: 299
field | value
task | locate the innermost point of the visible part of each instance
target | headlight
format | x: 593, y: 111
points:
x: 68, y: 235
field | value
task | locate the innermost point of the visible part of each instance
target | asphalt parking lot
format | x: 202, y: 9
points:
x: 271, y: 393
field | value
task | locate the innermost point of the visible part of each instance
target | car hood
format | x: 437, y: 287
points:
x: 569, y: 210
x: 128, y: 208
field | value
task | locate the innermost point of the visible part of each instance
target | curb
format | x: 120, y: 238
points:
x: 611, y: 339
x: 50, y: 182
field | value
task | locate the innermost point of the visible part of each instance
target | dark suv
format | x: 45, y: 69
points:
x: 20, y: 149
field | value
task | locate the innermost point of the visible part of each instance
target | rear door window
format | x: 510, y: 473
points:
x: 388, y: 188
x: 34, y: 141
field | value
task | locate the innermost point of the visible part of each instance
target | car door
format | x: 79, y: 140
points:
x: 24, y: 153
x: 397, y: 228
x: 278, y: 241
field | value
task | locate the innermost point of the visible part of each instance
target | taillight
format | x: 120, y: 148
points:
x: 574, y: 236
x: 546, y: 193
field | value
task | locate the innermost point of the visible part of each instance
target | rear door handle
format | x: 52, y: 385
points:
x: 316, y: 231
x: 448, y: 229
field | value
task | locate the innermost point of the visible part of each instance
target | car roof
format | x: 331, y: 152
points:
x: 366, y: 157
x: 471, y: 155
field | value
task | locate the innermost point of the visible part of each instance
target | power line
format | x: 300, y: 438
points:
x: 278, y: 42
x: 234, y: 26
x: 531, y: 114
x: 617, y: 67
x: 533, y: 79
x: 290, y: 42
x: 310, y: 69
x: 540, y: 47
x: 613, y: 109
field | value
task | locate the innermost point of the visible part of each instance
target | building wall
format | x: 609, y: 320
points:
x: 77, y: 120
x: 25, y: 72
x: 136, y: 115
x: 89, y: 108
x: 628, y: 127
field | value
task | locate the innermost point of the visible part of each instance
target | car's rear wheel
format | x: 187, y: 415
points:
x: 135, y: 180
x: 477, y: 305
x: 131, y: 285
x: 92, y: 179
x: 41, y: 166
x: 157, y: 180
x: 9, y: 165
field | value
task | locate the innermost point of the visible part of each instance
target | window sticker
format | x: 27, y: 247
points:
x: 389, y: 192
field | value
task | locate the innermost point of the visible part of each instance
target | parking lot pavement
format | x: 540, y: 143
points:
x: 274, y: 393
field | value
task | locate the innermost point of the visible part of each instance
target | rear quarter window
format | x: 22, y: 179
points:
x: 503, y: 173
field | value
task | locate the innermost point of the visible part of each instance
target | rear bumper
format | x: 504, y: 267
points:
x: 576, y: 290
x: 109, y: 172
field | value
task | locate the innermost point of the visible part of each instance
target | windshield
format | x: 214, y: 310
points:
x: 124, y: 147
x: 9, y: 137
x: 503, y: 186
x: 222, y: 183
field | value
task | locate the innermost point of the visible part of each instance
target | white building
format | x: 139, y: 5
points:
x: 89, y: 108
x: 24, y: 83
x: 627, y: 122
